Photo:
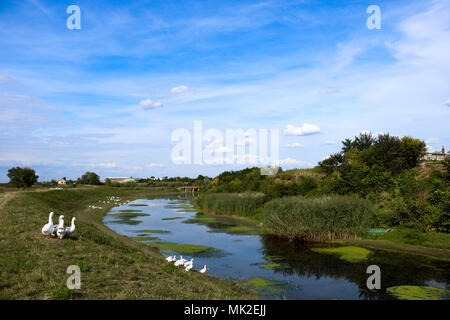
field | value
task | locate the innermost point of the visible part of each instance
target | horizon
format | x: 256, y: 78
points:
x: 106, y: 98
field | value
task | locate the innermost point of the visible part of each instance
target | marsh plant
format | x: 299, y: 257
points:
x: 319, y: 219
x: 243, y: 204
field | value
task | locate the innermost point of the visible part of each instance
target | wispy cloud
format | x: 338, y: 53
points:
x: 304, y: 129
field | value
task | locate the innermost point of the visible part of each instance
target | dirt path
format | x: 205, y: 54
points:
x: 6, y: 196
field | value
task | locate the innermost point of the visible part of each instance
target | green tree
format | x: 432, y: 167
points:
x: 22, y: 177
x: 89, y: 178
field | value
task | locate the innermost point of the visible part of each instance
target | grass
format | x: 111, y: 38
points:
x: 414, y: 237
x: 419, y: 293
x: 172, y: 218
x: 33, y: 266
x: 326, y: 218
x: 348, y: 253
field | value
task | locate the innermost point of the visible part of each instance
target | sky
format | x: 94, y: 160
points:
x: 108, y: 97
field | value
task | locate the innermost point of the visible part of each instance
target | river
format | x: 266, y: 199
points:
x: 275, y: 268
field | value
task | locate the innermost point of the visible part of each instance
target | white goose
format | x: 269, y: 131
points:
x: 48, y: 228
x: 189, y: 263
x: 58, y: 226
x: 189, y: 267
x: 180, y: 262
x: 71, y: 229
x: 203, y: 270
x: 171, y: 258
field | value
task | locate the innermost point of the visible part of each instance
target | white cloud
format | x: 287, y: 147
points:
x: 328, y: 142
x: 154, y: 165
x: 291, y: 161
x: 305, y: 129
x: 447, y: 102
x: 179, y: 89
x: 149, y: 104
x: 104, y: 165
x: 294, y: 145
x: 432, y: 140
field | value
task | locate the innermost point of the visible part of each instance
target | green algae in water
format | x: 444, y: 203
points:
x: 258, y: 283
x: 173, y: 218
x: 129, y: 214
x: 130, y: 210
x: 201, y: 219
x: 184, y: 248
x: 147, y: 238
x: 267, y: 287
x: 270, y: 266
x: 419, y: 293
x: 132, y: 222
x: 244, y: 230
x: 154, y: 231
x: 337, y: 241
x: 349, y: 253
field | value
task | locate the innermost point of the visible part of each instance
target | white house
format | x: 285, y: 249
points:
x: 61, y: 181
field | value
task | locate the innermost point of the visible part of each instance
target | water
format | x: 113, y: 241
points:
x: 292, y: 270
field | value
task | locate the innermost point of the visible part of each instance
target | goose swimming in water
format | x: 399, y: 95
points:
x: 48, y: 228
x: 203, y: 270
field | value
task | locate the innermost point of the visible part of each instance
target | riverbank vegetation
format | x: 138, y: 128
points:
x: 374, y: 182
x: 33, y: 266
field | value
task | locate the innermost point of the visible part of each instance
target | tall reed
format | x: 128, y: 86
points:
x: 318, y: 219
x: 243, y: 204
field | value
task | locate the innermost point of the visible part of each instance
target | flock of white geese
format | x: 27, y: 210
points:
x: 58, y: 230
x: 188, y: 265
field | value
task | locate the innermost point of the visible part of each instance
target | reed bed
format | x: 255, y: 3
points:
x: 243, y: 204
x: 326, y: 218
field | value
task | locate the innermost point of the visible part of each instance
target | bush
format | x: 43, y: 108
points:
x: 319, y: 219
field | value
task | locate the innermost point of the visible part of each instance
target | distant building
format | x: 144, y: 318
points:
x: 119, y: 179
x: 61, y: 181
x: 436, y: 156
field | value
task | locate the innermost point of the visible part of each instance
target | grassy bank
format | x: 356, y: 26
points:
x: 33, y: 266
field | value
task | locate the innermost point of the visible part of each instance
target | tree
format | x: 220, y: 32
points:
x: 89, y: 178
x: 22, y: 177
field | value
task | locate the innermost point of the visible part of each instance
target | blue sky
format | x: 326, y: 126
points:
x: 106, y: 98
